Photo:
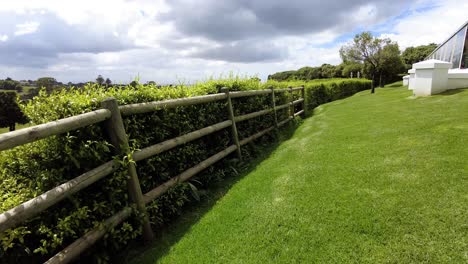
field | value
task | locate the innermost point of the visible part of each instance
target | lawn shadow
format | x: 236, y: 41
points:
x: 453, y: 91
x: 395, y: 84
x: 168, y: 235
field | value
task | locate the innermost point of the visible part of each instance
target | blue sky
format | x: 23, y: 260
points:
x: 189, y: 40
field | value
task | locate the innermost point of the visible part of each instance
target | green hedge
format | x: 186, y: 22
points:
x: 30, y: 170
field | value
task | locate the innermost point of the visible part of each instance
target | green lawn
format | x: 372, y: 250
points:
x: 377, y: 178
x: 18, y: 126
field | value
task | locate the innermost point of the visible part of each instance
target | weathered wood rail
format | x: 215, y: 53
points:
x: 111, y: 114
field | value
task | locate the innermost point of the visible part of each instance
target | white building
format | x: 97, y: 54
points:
x: 445, y: 68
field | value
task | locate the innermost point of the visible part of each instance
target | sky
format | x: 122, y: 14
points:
x: 183, y: 41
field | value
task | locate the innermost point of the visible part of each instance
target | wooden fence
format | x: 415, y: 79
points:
x: 111, y: 114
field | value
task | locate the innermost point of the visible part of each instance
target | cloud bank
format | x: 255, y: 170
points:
x: 187, y: 40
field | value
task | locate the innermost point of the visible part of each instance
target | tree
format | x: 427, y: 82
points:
x: 46, y: 82
x: 30, y: 94
x: 351, y: 67
x: 390, y: 64
x: 282, y: 76
x: 327, y: 71
x: 10, y: 112
x: 366, y: 49
x: 412, y: 55
x: 9, y: 84
x: 108, y: 82
x: 134, y: 83
x: 100, y: 79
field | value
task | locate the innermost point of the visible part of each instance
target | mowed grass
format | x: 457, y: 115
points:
x: 18, y: 126
x: 379, y: 178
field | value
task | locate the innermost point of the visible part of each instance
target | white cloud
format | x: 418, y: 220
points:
x: 26, y: 28
x: 432, y: 26
x: 157, y: 51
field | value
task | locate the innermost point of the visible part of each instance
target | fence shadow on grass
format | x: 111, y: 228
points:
x: 170, y: 234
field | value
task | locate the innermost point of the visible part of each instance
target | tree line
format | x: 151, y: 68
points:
x: 377, y: 59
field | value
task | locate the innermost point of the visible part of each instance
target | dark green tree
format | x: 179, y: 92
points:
x: 46, y: 82
x: 100, y: 79
x: 390, y: 64
x: 327, y: 71
x: 351, y: 67
x: 10, y: 112
x: 10, y: 84
x: 367, y: 49
x: 416, y: 54
x: 134, y: 83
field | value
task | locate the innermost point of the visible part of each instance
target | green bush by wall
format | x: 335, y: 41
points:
x: 30, y: 170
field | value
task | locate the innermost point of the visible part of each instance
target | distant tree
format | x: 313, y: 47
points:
x: 10, y: 84
x: 282, y: 76
x: 10, y: 112
x: 46, y: 82
x: 134, y: 83
x: 351, y: 67
x: 367, y: 49
x: 100, y: 79
x: 338, y: 73
x: 327, y: 71
x: 390, y: 64
x: 108, y: 82
x: 151, y: 83
x: 416, y: 54
x: 30, y: 94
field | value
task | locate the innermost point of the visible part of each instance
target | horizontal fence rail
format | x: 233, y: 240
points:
x: 30, y: 134
x: 111, y: 116
x: 141, y: 108
x: 161, y: 189
x: 172, y: 143
x: 38, y: 204
x: 252, y: 115
x: 249, y: 93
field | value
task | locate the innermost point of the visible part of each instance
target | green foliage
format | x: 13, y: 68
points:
x: 100, y: 80
x: 367, y: 179
x: 29, y: 170
x: 380, y: 57
x: 9, y: 84
x: 309, y: 73
x: 351, y: 67
x: 412, y: 55
x: 46, y: 82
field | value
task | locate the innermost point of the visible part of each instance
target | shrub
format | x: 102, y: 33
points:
x: 29, y: 170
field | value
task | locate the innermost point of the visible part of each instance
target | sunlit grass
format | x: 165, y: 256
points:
x: 18, y: 126
x: 379, y: 178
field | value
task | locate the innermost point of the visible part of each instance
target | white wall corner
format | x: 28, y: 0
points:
x: 430, y: 77
x: 406, y: 80
x: 457, y: 78
x: 411, y: 79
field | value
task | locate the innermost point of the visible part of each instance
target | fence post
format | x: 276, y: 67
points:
x: 291, y: 107
x: 303, y: 102
x: 273, y: 104
x: 235, y: 136
x: 118, y: 137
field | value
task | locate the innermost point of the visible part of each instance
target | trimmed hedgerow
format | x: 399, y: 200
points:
x: 29, y: 170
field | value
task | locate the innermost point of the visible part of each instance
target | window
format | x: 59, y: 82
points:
x: 452, y: 49
x: 458, y: 48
